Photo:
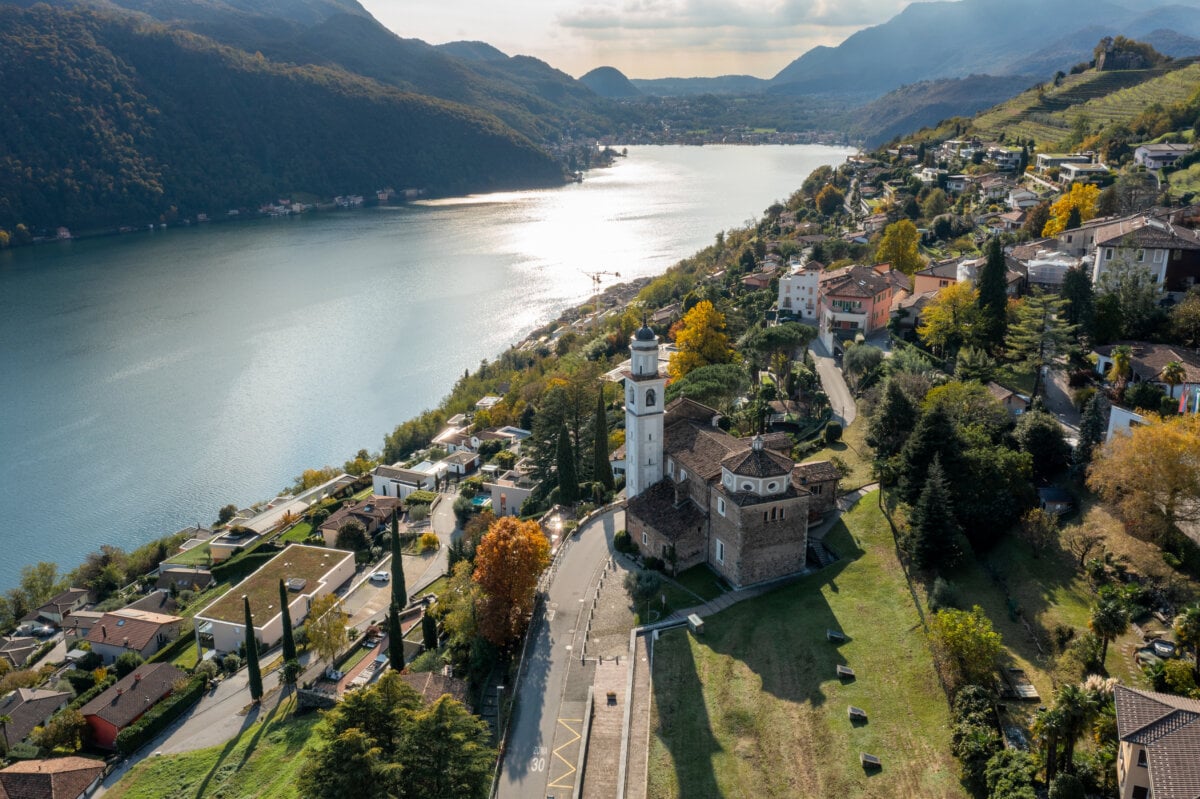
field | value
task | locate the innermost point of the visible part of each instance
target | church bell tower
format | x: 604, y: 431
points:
x: 644, y: 400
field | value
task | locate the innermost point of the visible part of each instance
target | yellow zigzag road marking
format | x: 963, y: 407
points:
x: 566, y: 763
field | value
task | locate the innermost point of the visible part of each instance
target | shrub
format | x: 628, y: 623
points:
x: 654, y: 563
x: 231, y: 663
x: 420, y: 498
x: 428, y: 542
x: 942, y: 595
x: 833, y: 432
x: 1082, y: 397
x: 158, y: 718
x: 127, y: 663
x: 207, y: 670
x: 429, y: 660
x: 418, y: 513
x: 623, y: 542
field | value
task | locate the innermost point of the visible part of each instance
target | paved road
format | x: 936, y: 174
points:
x: 840, y: 399
x: 543, y: 740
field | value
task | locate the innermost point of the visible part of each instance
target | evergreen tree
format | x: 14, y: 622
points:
x: 1092, y: 428
x: 993, y: 297
x: 1081, y: 301
x: 933, y: 436
x: 289, y: 638
x: 974, y: 364
x: 252, y: 668
x: 395, y: 638
x: 892, y: 421
x: 429, y: 632
x: 601, y: 468
x: 933, y: 540
x: 568, y: 482
x: 1074, y: 218
x: 1041, y: 335
x: 399, y: 588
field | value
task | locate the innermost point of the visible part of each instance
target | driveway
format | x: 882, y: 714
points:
x: 840, y: 399
x: 543, y: 735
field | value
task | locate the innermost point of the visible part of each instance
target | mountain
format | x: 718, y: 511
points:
x: 918, y: 105
x: 108, y: 120
x: 525, y: 93
x: 932, y: 40
x: 609, y: 82
x: 685, y: 87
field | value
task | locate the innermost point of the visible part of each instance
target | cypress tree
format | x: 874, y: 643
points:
x: 993, y: 296
x: 395, y: 639
x: 429, y: 630
x: 1074, y: 218
x: 892, y: 421
x: 933, y: 436
x: 601, y: 467
x: 252, y: 669
x: 1081, y: 301
x: 1092, y: 427
x: 934, y: 535
x: 289, y: 639
x: 399, y: 587
x: 568, y: 481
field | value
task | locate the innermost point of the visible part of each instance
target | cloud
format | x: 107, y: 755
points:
x: 775, y: 19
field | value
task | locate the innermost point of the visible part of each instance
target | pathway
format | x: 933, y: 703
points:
x: 841, y: 400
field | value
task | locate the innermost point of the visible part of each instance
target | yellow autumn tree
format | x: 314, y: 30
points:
x: 898, y: 247
x: 950, y: 318
x: 1153, y: 472
x: 1072, y: 209
x: 701, y: 340
x: 508, y: 562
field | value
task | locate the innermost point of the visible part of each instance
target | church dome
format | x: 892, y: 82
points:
x: 644, y: 333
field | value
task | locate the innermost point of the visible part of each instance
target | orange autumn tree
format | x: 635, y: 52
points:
x: 510, y: 558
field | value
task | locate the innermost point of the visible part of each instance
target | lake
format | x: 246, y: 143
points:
x: 151, y: 378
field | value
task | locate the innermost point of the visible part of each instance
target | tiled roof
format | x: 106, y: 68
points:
x: 1149, y: 359
x: 18, y: 649
x: 372, y: 512
x: 65, y: 600
x: 56, y: 778
x: 861, y: 281
x: 656, y: 507
x: 1169, y: 727
x: 134, y: 694
x: 130, y: 629
x: 1149, y: 237
x: 814, y: 472
x: 699, y: 448
x: 431, y: 686
x: 26, y: 708
x: 757, y: 462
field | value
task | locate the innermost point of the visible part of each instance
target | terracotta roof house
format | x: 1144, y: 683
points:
x: 858, y: 298
x: 80, y: 623
x: 1149, y: 360
x: 1015, y: 403
x: 432, y: 686
x: 128, y: 630
x: 1170, y: 251
x: 372, y: 513
x: 820, y: 479
x: 700, y: 495
x: 1159, y: 753
x: 27, y: 708
x: 56, y: 778
x: 128, y: 700
x: 17, y: 650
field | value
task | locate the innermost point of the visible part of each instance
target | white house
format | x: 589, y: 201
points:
x: 509, y: 491
x: 308, y: 572
x: 798, y: 291
x: 1020, y: 199
x: 396, y: 481
x: 1157, y: 156
x: 1121, y: 421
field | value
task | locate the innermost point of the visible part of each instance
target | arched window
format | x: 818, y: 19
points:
x: 650, y: 397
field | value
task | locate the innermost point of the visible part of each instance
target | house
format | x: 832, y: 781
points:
x: 1047, y: 161
x: 433, y: 686
x: 231, y: 542
x: 1020, y: 199
x: 1014, y: 403
x: 858, y: 299
x: 26, y: 708
x: 875, y: 223
x: 510, y: 490
x: 907, y: 312
x: 798, y: 291
x: 125, y: 630
x: 820, y: 479
x: 1157, y: 156
x: 666, y: 314
x: 995, y: 187
x: 155, y: 602
x: 397, y: 481
x: 1169, y: 251
x: 1082, y: 173
x: 1055, y: 500
x: 1044, y: 267
x: 18, y: 649
x: 128, y: 700
x: 957, y: 183
x: 182, y: 578
x: 1159, y: 754
x: 80, y: 623
x: 1122, y: 420
x: 1148, y: 360
x: 372, y: 513
x: 700, y: 495
x: 1003, y: 158
x: 941, y: 274
x: 62, y: 605
x: 307, y: 572
x: 452, y: 439
x: 54, y: 778
x: 462, y: 462
x: 1010, y: 222
x: 488, y: 402
x: 757, y: 281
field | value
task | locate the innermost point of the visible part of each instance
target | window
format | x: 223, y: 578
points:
x: 747, y: 486
x: 815, y: 488
x: 671, y: 466
x: 1141, y: 761
x: 1158, y: 256
x: 772, y: 486
x: 1141, y: 256
x: 1108, y: 253
x: 1140, y: 793
x: 650, y: 398
x: 720, y: 551
x: 720, y: 506
x: 645, y: 538
x: 774, y: 511
x: 682, y: 474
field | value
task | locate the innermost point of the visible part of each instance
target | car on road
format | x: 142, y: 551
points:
x: 380, y: 577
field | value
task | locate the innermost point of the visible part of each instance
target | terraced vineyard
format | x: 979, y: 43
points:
x: 1100, y: 96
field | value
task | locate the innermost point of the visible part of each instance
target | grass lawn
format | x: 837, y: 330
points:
x: 702, y: 581
x: 853, y: 451
x: 299, y: 533
x: 753, y: 708
x: 263, y: 760
x: 655, y: 610
x: 437, y: 586
x: 198, y: 555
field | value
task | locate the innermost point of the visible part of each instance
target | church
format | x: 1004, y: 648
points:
x: 696, y: 494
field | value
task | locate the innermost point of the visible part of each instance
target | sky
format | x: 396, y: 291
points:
x: 642, y: 38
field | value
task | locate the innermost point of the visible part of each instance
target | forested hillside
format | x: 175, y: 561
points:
x: 110, y: 121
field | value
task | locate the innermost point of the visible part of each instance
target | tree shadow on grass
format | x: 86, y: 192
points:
x: 683, y: 723
x: 247, y: 722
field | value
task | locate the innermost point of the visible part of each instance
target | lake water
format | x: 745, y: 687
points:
x: 150, y: 379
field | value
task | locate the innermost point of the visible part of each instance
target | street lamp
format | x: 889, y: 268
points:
x: 499, y: 711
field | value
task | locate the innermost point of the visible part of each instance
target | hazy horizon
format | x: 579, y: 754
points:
x: 645, y: 38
